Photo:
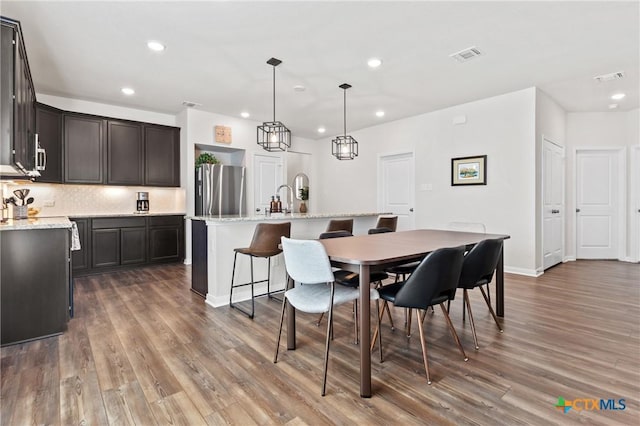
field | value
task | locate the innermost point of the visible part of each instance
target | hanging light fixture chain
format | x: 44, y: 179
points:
x: 345, y: 111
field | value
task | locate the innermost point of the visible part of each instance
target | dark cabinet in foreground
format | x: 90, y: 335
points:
x: 110, y: 243
x: 35, y: 283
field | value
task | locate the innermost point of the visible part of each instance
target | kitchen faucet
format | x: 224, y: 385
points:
x: 289, y: 197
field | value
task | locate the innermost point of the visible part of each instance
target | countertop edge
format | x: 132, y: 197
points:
x: 279, y: 216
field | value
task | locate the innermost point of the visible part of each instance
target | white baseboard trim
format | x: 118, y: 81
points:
x: 522, y: 271
x: 569, y: 259
x: 628, y: 259
x: 239, y: 296
x: 187, y: 261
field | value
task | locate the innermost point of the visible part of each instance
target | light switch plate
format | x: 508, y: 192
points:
x: 49, y: 203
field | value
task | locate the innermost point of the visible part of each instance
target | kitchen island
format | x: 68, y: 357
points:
x: 215, y: 237
x: 34, y: 278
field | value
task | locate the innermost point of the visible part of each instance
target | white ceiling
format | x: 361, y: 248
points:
x: 217, y: 51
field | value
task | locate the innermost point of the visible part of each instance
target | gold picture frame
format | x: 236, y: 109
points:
x: 469, y: 170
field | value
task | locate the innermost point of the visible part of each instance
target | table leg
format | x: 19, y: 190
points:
x: 365, y: 333
x: 500, y: 286
x: 291, y: 324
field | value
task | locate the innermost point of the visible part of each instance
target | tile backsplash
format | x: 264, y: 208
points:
x: 75, y: 200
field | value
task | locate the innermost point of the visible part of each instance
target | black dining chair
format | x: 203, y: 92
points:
x: 479, y: 265
x: 433, y: 282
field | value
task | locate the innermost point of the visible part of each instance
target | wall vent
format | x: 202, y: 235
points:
x: 190, y: 104
x: 608, y: 77
x: 466, y: 54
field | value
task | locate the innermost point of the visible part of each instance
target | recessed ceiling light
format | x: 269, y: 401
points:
x: 613, y: 106
x: 321, y: 130
x: 156, y: 46
x: 374, y: 62
x: 618, y: 96
x: 245, y: 114
x: 299, y: 88
x: 379, y: 113
x: 128, y: 91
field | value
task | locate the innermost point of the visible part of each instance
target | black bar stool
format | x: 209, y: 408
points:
x: 265, y: 244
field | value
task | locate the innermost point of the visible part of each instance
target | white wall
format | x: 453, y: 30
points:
x: 198, y: 129
x: 112, y: 111
x: 551, y: 123
x: 502, y: 127
x: 601, y: 130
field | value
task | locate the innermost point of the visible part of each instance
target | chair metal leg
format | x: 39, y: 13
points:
x: 386, y: 307
x: 463, y: 311
x: 284, y: 305
x: 320, y: 320
x: 423, y: 343
x: 233, y: 275
x: 409, y: 323
x: 355, y: 321
x: 329, y: 333
x: 473, y: 324
x: 375, y: 333
x: 252, y: 295
x: 453, y: 331
x: 378, y: 328
x: 493, y: 314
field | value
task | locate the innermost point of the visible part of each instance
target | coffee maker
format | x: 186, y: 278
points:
x: 142, y: 204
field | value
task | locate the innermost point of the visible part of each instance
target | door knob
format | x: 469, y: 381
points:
x: 577, y: 210
x: 258, y: 209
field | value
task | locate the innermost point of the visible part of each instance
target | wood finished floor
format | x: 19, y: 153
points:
x: 144, y: 350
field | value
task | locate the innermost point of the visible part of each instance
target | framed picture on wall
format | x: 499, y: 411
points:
x: 469, y: 170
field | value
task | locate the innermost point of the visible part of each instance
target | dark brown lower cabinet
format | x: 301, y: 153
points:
x: 111, y: 243
x: 199, y: 265
x: 105, y: 247
x: 35, y: 283
x: 166, y: 239
x: 80, y: 259
x: 133, y: 246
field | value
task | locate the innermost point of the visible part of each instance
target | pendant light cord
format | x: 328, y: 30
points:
x: 345, y: 112
x: 274, y: 93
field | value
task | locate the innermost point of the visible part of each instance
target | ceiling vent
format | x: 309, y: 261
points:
x: 608, y: 77
x: 466, y: 54
x: 190, y: 104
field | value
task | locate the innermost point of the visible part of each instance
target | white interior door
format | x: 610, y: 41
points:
x: 635, y: 215
x: 553, y: 203
x: 396, y: 187
x: 268, y: 176
x: 597, y: 204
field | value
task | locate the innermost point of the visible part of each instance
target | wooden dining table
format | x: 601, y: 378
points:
x: 368, y: 253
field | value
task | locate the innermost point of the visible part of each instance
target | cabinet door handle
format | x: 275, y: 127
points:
x: 577, y: 210
x: 411, y: 209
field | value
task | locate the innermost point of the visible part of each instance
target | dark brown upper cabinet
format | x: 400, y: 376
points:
x: 84, y: 149
x: 18, y: 98
x: 124, y: 153
x: 49, y: 130
x: 161, y: 156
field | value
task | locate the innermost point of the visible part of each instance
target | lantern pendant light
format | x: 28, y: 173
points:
x: 344, y: 147
x: 273, y: 135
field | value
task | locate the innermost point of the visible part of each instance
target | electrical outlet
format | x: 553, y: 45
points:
x: 49, y: 203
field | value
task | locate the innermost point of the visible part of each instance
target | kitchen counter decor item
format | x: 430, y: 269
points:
x: 206, y: 158
x: 20, y: 212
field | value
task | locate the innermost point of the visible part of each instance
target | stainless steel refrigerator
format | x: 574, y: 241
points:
x: 220, y: 190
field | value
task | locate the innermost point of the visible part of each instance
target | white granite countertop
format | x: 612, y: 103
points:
x: 278, y: 216
x: 36, y: 223
x: 125, y: 214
